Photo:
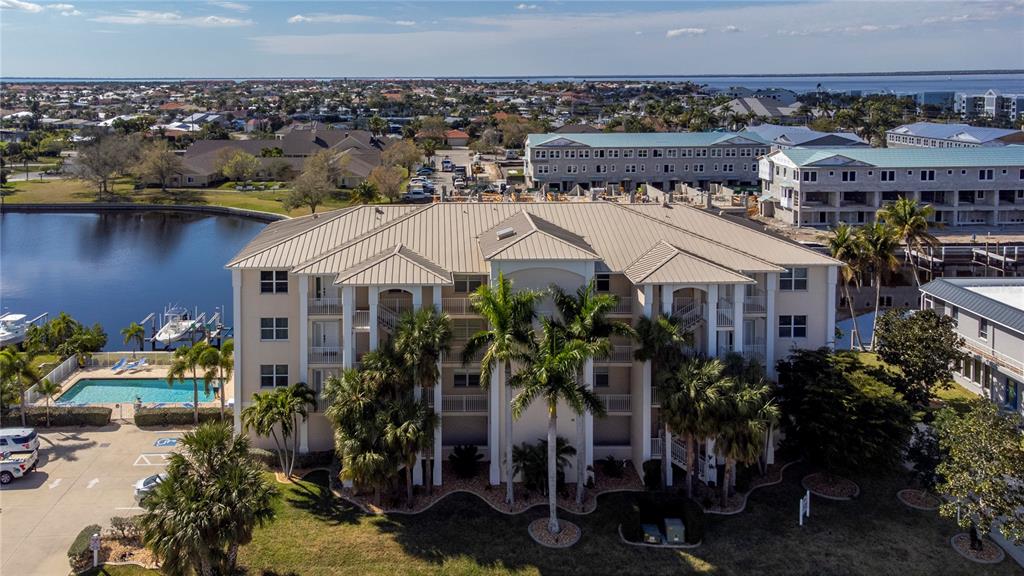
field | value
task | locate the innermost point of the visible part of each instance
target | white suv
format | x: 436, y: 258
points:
x: 18, y: 440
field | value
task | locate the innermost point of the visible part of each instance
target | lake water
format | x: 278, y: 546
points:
x: 117, y: 267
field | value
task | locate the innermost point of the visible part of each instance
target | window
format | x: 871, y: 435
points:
x: 613, y: 153
x: 571, y: 169
x: 273, y: 328
x: 627, y: 153
x: 885, y: 301
x: 601, y: 377
x: 556, y: 154
x: 600, y: 168
x: 1022, y: 173
x: 985, y: 174
x: 727, y: 167
x: 543, y: 169
x: 273, y: 375
x: 468, y: 284
x: 540, y: 154
x: 603, y: 281
x: 983, y: 329
x: 793, y: 279
x: 273, y: 282
x: 954, y: 312
x: 466, y: 379
x: 630, y: 168
x: 570, y: 153
x: 641, y: 153
x: 698, y: 167
x: 809, y: 176
x: 584, y: 153
x: 888, y: 175
x: 598, y: 153
x: 672, y: 153
x: 928, y: 175
x: 1012, y: 394
x: 792, y: 326
x: 849, y: 176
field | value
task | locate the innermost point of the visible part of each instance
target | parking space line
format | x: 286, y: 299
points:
x: 93, y: 482
x: 152, y: 459
x: 55, y: 483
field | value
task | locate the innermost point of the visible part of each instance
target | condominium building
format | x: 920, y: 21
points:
x: 782, y: 137
x: 936, y: 135
x: 992, y: 104
x: 990, y: 318
x: 312, y: 295
x: 823, y: 187
x: 663, y: 159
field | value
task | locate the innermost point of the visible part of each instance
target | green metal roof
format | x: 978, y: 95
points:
x: 909, y: 157
x: 643, y: 139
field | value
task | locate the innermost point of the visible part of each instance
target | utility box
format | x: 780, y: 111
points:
x: 651, y: 534
x: 675, y: 532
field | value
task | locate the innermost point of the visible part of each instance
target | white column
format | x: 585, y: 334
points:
x: 585, y: 423
x: 374, y: 324
x: 771, y: 323
x: 712, y: 320
x: 738, y: 292
x: 304, y: 354
x: 438, y: 405
x: 830, y: 308
x: 417, y: 391
x: 667, y: 290
x: 236, y: 311
x: 348, y: 343
x: 494, y: 411
x: 645, y: 391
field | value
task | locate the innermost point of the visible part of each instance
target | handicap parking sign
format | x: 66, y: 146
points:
x: 165, y: 442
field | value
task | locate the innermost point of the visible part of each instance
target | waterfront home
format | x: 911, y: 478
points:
x: 823, y: 187
x: 989, y: 313
x: 313, y: 294
x: 990, y: 104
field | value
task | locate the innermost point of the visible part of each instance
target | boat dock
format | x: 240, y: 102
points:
x: 178, y: 325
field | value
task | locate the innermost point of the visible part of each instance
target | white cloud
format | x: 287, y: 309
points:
x: 19, y: 5
x: 151, y: 17
x: 527, y: 7
x: 328, y: 18
x: 684, y: 32
x: 638, y: 32
x: 405, y: 22
x: 65, y: 9
x: 236, y: 6
x: 731, y: 28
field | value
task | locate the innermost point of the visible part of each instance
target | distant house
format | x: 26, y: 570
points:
x: 765, y: 108
x: 783, y: 137
x: 577, y: 129
x: 936, y: 135
x: 456, y: 137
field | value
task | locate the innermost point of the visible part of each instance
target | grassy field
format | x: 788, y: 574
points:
x: 77, y: 191
x: 955, y: 395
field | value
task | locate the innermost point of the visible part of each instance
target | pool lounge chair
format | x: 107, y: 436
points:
x: 131, y: 366
x: 119, y: 365
x: 140, y: 365
x: 157, y: 405
x: 188, y: 405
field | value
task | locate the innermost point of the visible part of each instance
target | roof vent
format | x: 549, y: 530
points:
x: 506, y: 233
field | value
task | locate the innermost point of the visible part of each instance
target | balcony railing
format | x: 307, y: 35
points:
x: 624, y: 306
x: 361, y: 319
x: 755, y: 303
x: 617, y: 355
x: 655, y: 396
x: 724, y: 350
x: 321, y: 403
x: 324, y: 306
x: 457, y: 306
x: 755, y: 350
x: 616, y: 402
x: 325, y: 355
x: 986, y: 351
x: 725, y: 314
x: 464, y: 403
x: 454, y: 354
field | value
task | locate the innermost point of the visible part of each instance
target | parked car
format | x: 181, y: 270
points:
x: 425, y: 171
x: 16, y: 464
x: 18, y: 440
x: 417, y: 196
x: 511, y: 155
x: 459, y: 182
x: 447, y: 165
x: 460, y: 171
x: 146, y: 485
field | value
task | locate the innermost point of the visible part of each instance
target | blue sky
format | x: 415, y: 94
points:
x: 222, y: 38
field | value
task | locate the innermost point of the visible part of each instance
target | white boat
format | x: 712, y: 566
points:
x: 178, y: 324
x: 12, y: 329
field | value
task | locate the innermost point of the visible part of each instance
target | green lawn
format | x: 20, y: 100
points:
x: 954, y: 396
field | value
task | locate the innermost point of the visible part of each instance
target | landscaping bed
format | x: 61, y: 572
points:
x: 990, y: 552
x: 918, y: 499
x: 831, y: 486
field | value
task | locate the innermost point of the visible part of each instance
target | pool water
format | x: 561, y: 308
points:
x: 126, y: 390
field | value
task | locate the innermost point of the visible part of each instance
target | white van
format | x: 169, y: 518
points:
x: 18, y: 440
x: 16, y: 465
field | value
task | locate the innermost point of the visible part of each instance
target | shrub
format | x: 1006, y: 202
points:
x: 125, y: 527
x: 465, y: 460
x: 531, y: 460
x: 266, y: 457
x: 652, y: 474
x: 613, y: 467
x: 174, y: 416
x: 80, y: 547
x: 60, y: 416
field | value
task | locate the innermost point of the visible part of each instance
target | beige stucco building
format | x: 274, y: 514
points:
x: 313, y: 294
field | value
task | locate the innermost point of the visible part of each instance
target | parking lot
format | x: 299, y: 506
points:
x: 84, y: 476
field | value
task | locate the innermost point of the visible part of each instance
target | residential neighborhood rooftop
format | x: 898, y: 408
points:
x: 907, y: 157
x: 1000, y: 300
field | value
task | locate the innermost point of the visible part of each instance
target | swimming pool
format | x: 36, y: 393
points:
x: 126, y: 390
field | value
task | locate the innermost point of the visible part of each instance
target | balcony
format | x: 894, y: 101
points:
x: 724, y: 350
x: 454, y: 354
x: 616, y: 403
x: 655, y: 397
x: 755, y: 304
x: 361, y: 320
x: 986, y: 351
x: 624, y: 307
x: 464, y: 403
x: 324, y: 307
x: 688, y: 311
x: 617, y: 355
x: 325, y: 355
x: 755, y: 350
x: 457, y: 306
x: 725, y: 314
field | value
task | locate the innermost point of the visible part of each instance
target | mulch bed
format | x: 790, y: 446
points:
x: 113, y: 550
x: 569, y: 534
x: 831, y: 486
x: 918, y: 499
x: 990, y: 552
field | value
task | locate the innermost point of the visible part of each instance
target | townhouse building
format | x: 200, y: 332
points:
x: 989, y: 313
x: 312, y: 295
x: 823, y: 187
x: 936, y: 135
x: 991, y: 104
x: 662, y: 159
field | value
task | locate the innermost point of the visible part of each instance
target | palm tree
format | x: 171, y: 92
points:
x: 280, y: 410
x: 186, y: 359
x: 48, y: 389
x: 552, y: 374
x: 844, y: 245
x: 136, y: 334
x: 421, y: 338
x: 359, y: 426
x: 879, y: 243
x: 910, y: 221
x: 364, y: 193
x: 214, y: 497
x: 410, y: 429
x: 296, y: 400
x: 745, y: 413
x: 378, y: 125
x: 16, y: 366
x: 585, y: 317
x: 688, y: 405
x: 509, y: 318
x: 661, y: 344
x: 60, y: 329
x: 218, y: 365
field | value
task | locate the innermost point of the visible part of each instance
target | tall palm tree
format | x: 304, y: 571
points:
x: 421, y: 339
x: 134, y: 334
x: 509, y: 315
x: 552, y: 374
x: 844, y: 245
x: 48, y: 389
x: 218, y: 364
x: 410, y: 430
x: 264, y: 416
x: 584, y: 316
x: 745, y: 413
x: 296, y: 400
x: 661, y: 343
x: 185, y: 360
x: 688, y: 405
x: 16, y: 366
x: 910, y: 222
x: 879, y: 243
x: 60, y: 329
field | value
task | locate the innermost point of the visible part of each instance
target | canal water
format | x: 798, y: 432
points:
x: 116, y: 267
